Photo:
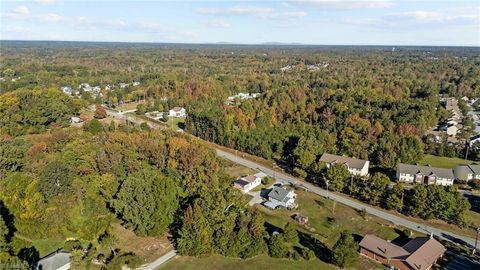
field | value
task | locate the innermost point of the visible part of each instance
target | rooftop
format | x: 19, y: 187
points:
x: 351, y: 162
x: 425, y: 170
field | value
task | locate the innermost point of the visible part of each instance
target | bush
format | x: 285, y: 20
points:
x: 301, y: 173
x: 72, y: 245
x: 307, y: 254
x: 363, y: 213
x: 475, y: 183
x: 268, y: 180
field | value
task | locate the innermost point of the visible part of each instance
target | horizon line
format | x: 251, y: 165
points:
x: 267, y: 43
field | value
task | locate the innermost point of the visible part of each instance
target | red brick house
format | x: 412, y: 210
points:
x: 420, y: 253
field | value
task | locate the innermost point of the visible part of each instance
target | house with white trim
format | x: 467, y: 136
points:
x: 249, y: 182
x: 354, y: 166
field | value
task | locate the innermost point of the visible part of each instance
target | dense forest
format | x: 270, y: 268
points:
x: 67, y: 182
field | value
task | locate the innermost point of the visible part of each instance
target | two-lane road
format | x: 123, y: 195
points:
x: 285, y: 178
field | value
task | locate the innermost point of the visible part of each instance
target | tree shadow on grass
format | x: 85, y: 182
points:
x: 270, y: 228
x: 321, y: 251
x: 9, y: 221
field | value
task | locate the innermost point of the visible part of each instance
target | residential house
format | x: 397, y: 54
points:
x: 280, y: 197
x: 136, y: 83
x: 177, y: 112
x: 420, y: 253
x: 355, y: 166
x: 156, y: 115
x: 123, y: 85
x: 467, y: 172
x: 59, y: 260
x: 67, y: 90
x: 249, y: 182
x: 424, y: 174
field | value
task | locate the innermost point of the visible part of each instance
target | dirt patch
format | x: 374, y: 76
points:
x: 147, y: 248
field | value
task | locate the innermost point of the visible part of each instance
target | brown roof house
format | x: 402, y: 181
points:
x: 355, y: 166
x: 420, y: 253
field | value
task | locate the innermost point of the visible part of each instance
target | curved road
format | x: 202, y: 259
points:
x: 286, y: 179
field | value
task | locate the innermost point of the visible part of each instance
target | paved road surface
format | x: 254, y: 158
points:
x: 286, y: 179
x: 158, y: 262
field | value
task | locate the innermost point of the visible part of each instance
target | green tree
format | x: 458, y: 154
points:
x: 395, y: 197
x: 147, y: 201
x: 345, y: 251
x: 94, y: 126
x: 277, y: 247
x: 337, y: 175
x: 290, y: 233
x: 12, y: 155
x: 375, y: 189
x: 54, y: 179
x: 196, y: 234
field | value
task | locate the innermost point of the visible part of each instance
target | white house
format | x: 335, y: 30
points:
x: 355, y: 166
x: 424, y: 175
x: 136, y: 83
x: 67, y: 90
x: 59, y: 260
x: 123, y: 85
x: 467, y: 172
x: 249, y: 182
x: 279, y: 197
x: 177, y: 112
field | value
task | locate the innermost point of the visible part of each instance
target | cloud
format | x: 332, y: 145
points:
x: 189, y: 34
x: 45, y: 2
x: 420, y: 16
x: 218, y: 24
x: 260, y: 12
x: 236, y: 10
x: 21, y: 10
x: 343, y: 4
x: 49, y: 18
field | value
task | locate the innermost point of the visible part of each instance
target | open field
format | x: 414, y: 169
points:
x: 217, y: 262
x: 236, y: 170
x: 443, y: 162
x: 147, y: 248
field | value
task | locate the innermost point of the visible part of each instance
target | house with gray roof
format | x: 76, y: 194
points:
x: 59, y: 260
x: 280, y: 197
x: 467, y: 172
x: 249, y: 182
x: 424, y: 175
x: 355, y: 166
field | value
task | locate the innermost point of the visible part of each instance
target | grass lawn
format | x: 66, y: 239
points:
x: 176, y: 123
x: 327, y: 223
x: 443, y: 162
x: 236, y: 170
x: 216, y: 262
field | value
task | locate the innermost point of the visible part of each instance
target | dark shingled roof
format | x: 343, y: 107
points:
x: 425, y: 170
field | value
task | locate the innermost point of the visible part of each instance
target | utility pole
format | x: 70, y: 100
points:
x: 326, y: 182
x: 476, y: 242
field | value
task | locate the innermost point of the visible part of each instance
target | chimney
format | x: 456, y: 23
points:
x: 431, y: 235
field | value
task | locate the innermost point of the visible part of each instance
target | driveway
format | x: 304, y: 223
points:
x: 399, y: 220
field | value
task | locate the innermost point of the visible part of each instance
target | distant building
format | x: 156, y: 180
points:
x: 156, y: 115
x: 420, y: 253
x: 424, y: 175
x: 67, y: 90
x: 123, y: 85
x: 279, y: 197
x: 59, y: 260
x: 467, y: 172
x: 177, y: 112
x: 249, y: 182
x: 355, y: 166
x: 136, y: 83
x: 75, y: 120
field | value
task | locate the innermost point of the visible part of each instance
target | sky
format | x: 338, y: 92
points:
x: 320, y: 22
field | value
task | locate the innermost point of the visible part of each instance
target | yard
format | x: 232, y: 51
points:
x: 217, y: 262
x: 176, y: 123
x: 236, y: 170
x: 443, y: 162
